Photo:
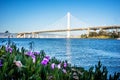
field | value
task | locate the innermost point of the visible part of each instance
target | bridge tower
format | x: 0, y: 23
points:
x: 68, y: 25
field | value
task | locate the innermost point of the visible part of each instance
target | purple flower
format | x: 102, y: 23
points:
x: 45, y: 61
x: 1, y: 63
x: 47, y: 57
x: 36, y: 53
x: 65, y: 65
x: 9, y: 49
x: 53, y: 65
x: 29, y: 53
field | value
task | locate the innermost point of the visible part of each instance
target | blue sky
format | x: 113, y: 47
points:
x: 35, y: 15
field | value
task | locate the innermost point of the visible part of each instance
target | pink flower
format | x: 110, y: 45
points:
x: 64, y: 71
x: 34, y: 59
x: 18, y: 64
x: 59, y: 66
x: 53, y: 65
x: 1, y: 63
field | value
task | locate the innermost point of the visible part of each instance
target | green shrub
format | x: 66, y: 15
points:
x: 22, y: 64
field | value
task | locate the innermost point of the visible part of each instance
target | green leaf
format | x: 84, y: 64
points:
x: 11, y: 72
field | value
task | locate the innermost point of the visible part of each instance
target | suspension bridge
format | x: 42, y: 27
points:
x: 67, y: 21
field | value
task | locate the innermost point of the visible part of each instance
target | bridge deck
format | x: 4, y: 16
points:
x: 75, y: 29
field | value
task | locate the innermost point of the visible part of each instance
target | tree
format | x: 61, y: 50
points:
x: 6, y: 31
x: 102, y: 33
x: 93, y: 34
x: 8, y: 35
x: 114, y: 35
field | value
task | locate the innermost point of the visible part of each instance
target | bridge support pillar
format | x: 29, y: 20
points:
x: 68, y: 25
x: 37, y: 36
x: 116, y: 31
x: 18, y: 36
x: 33, y: 35
x: 29, y: 35
x: 21, y: 35
x: 101, y: 29
x: 88, y: 32
x: 24, y: 36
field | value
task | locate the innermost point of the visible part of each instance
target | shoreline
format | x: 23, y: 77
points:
x: 64, y: 38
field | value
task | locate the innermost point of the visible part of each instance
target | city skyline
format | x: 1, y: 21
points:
x: 32, y: 15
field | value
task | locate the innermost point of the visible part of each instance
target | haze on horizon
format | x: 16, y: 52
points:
x: 33, y: 15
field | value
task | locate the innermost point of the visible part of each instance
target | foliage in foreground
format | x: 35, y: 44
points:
x: 21, y: 64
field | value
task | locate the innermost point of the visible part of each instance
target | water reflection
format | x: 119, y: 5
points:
x: 68, y: 50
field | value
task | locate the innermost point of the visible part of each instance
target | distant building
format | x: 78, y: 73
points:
x: 5, y: 35
x: 119, y: 34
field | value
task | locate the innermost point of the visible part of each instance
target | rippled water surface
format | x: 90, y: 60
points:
x: 79, y: 52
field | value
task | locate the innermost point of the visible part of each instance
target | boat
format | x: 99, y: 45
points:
x: 118, y: 38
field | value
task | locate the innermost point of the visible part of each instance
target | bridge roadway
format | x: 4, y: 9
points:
x: 75, y: 29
